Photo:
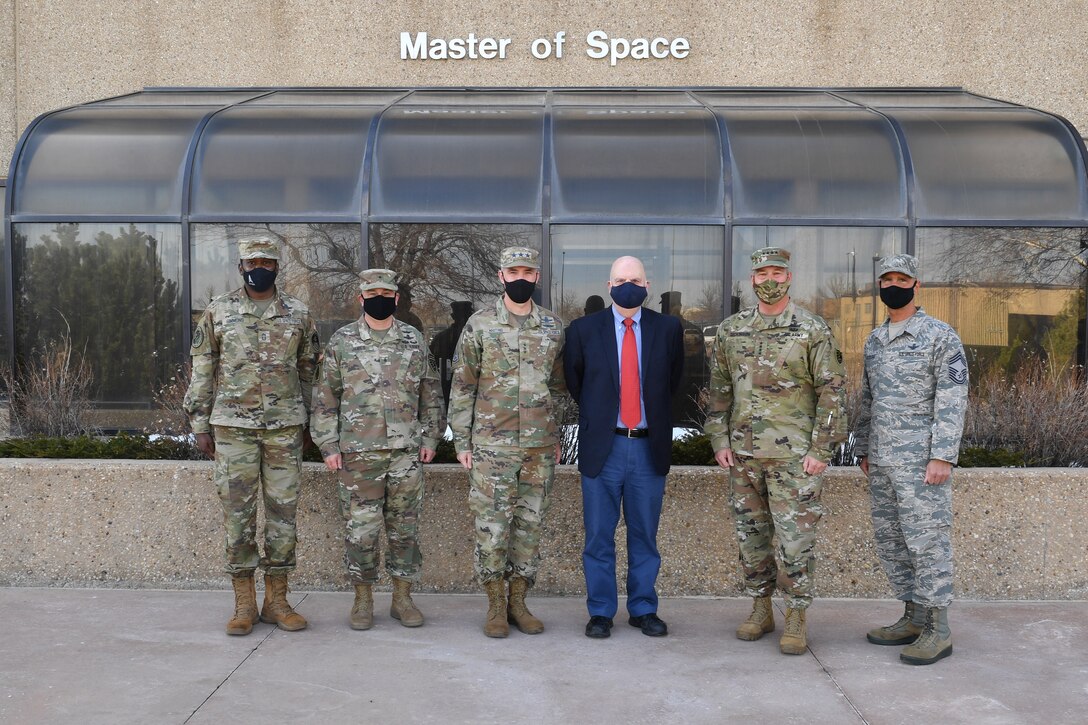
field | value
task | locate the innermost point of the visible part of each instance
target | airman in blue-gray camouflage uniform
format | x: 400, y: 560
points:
x: 377, y: 416
x: 508, y: 375
x: 254, y: 356
x: 777, y: 392
x: 914, y: 398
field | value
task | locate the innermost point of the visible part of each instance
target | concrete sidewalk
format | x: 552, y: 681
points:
x: 140, y: 656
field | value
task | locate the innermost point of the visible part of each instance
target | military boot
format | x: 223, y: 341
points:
x: 276, y: 610
x: 794, y: 635
x: 905, y: 631
x: 759, y: 622
x: 496, y: 625
x: 362, y: 610
x: 403, y: 608
x: 517, y: 613
x: 245, y: 605
x: 935, y: 641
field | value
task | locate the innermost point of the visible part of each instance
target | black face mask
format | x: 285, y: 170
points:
x: 260, y: 279
x: 896, y: 297
x: 379, y: 307
x: 520, y: 290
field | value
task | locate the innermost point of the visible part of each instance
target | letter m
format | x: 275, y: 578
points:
x: 413, y: 50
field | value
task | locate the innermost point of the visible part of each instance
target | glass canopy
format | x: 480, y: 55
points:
x: 700, y: 155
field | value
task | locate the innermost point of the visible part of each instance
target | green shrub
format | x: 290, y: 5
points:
x: 122, y: 445
x: 974, y: 457
x: 692, y: 449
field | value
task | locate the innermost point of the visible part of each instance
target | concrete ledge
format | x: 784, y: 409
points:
x: 1020, y: 533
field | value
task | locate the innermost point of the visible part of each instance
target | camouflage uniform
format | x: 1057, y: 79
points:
x: 376, y: 403
x: 252, y: 380
x: 506, y: 384
x: 777, y: 395
x: 914, y: 398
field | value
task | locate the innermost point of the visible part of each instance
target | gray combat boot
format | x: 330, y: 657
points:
x: 905, y: 631
x: 935, y: 641
x: 759, y: 622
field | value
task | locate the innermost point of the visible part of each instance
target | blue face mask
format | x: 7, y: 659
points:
x: 628, y: 295
x: 260, y: 279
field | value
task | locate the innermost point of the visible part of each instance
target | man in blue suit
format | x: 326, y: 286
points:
x: 622, y: 366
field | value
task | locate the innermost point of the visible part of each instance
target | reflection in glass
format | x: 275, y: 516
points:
x: 320, y: 266
x: 446, y: 272
x: 684, y: 267
x: 834, y: 276
x: 116, y: 289
x: 1011, y: 293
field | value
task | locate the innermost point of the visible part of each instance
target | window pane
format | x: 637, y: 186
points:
x: 834, y: 276
x: 117, y: 288
x: 780, y: 98
x: 446, y: 272
x: 327, y: 98
x: 1009, y: 292
x: 684, y: 267
x: 266, y: 161
x: 637, y: 163
x: 102, y: 160
x: 993, y: 164
x: 320, y: 266
x: 474, y: 98
x: 828, y: 164
x: 468, y: 162
x: 934, y: 99
x: 621, y: 98
x: 182, y: 98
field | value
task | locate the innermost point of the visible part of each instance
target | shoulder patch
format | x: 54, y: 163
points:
x: 957, y: 369
x: 315, y: 339
x: 198, y: 337
x: 838, y: 356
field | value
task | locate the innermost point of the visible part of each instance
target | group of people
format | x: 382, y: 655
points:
x: 375, y: 406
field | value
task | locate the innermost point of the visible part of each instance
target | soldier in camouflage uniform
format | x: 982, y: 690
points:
x: 254, y: 356
x: 914, y: 399
x: 508, y: 374
x: 776, y: 416
x: 377, y: 414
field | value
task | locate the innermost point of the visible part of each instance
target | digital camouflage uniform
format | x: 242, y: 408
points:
x: 506, y: 384
x: 914, y: 398
x: 777, y: 395
x: 377, y: 401
x: 252, y: 380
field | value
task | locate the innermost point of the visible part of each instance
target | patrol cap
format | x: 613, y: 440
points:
x: 258, y: 248
x: 377, y: 279
x: 904, y: 263
x: 770, y: 257
x: 519, y: 257
x: 463, y: 308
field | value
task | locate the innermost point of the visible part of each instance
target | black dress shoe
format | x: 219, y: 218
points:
x: 650, y: 624
x: 599, y: 627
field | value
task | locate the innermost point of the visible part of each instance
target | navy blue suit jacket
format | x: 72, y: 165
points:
x: 591, y: 363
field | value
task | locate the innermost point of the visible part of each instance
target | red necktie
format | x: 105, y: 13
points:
x: 630, y: 409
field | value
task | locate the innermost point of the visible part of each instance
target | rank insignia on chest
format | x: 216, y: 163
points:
x: 264, y: 336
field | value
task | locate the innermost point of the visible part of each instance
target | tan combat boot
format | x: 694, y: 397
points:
x: 245, y: 605
x: 496, y: 625
x: 403, y: 608
x: 759, y: 622
x: 362, y: 610
x: 905, y: 631
x: 935, y: 641
x: 276, y: 610
x: 794, y: 635
x: 517, y: 613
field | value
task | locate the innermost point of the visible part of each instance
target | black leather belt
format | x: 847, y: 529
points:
x: 633, y: 432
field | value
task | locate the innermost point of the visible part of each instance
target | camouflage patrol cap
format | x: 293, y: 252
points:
x: 377, y: 279
x: 770, y: 257
x: 258, y: 248
x: 904, y: 263
x: 519, y: 257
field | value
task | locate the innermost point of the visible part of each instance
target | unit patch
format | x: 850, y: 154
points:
x: 198, y: 338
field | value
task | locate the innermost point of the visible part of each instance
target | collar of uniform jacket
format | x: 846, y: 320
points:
x: 913, y: 323
x: 278, y: 308
x: 503, y: 314
x: 783, y: 320
x: 391, y: 333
